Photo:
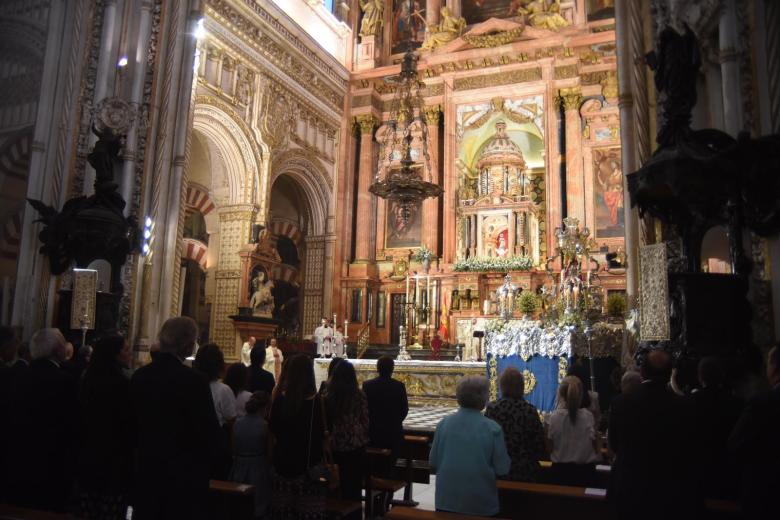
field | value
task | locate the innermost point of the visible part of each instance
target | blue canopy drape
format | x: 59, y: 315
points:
x: 546, y: 371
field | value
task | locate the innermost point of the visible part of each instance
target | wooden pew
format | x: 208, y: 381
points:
x: 412, y: 513
x: 337, y: 508
x: 21, y: 513
x: 414, y: 465
x: 377, y: 487
x: 231, y: 501
x: 530, y: 500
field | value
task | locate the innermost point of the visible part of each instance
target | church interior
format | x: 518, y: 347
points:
x: 472, y: 189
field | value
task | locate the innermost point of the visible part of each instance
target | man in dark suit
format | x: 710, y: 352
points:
x: 260, y: 379
x: 651, y: 433
x: 754, y: 445
x: 178, y: 431
x: 717, y: 411
x: 43, y: 419
x: 387, y: 408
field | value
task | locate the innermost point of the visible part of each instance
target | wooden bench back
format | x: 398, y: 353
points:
x: 413, y: 513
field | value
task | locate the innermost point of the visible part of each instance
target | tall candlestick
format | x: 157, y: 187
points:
x: 428, y: 302
x: 407, y: 289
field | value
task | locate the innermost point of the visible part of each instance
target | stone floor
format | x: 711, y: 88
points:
x: 425, y: 494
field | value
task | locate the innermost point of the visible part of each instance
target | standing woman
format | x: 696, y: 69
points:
x: 211, y: 363
x: 523, y: 430
x: 571, y: 438
x: 105, y: 469
x: 347, y: 414
x: 296, y: 423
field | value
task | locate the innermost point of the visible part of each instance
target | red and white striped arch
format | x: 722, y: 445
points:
x: 11, y: 236
x: 15, y: 158
x: 195, y: 250
x: 198, y: 199
x: 282, y: 228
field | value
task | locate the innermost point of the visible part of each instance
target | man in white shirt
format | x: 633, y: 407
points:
x: 323, y: 336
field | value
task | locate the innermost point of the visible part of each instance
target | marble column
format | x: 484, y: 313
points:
x: 235, y: 223
x: 575, y: 185
x: 365, y: 250
x: 432, y: 12
x: 628, y: 143
x: 729, y: 66
x: 430, y: 209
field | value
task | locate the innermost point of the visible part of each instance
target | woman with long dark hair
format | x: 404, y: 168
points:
x: 297, y: 425
x: 347, y: 410
x: 105, y: 468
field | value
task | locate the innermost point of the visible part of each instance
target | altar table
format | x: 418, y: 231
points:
x: 428, y: 383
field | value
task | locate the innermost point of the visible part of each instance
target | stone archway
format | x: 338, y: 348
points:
x: 313, y: 184
x: 229, y: 181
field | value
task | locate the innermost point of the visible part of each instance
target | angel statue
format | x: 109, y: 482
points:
x: 262, y: 301
x: 373, y: 12
x: 543, y: 16
x: 450, y: 28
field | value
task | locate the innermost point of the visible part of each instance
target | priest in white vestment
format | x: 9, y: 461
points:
x: 323, y: 336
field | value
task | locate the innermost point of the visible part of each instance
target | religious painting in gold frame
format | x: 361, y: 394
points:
x: 608, y: 193
x: 399, y: 234
x: 381, y: 309
x: 478, y: 11
x: 403, y: 30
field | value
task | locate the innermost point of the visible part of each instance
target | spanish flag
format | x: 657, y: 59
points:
x: 444, y: 332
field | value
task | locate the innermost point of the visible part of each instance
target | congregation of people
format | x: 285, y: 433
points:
x: 86, y: 434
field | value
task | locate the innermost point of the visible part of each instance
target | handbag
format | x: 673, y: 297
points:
x: 327, y: 471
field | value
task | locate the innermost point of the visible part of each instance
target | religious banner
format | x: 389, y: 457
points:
x: 400, y: 234
x: 608, y: 193
x: 82, y: 308
x: 653, y: 293
x: 404, y: 30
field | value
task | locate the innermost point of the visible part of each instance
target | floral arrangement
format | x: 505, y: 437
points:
x: 528, y: 302
x: 422, y: 254
x: 616, y: 305
x: 512, y: 263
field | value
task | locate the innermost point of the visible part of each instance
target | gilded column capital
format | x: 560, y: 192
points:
x: 367, y: 123
x: 433, y: 114
x: 571, y: 97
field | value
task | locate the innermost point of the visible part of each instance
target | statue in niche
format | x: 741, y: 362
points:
x: 501, y: 245
x: 455, y: 300
x: 442, y: 33
x: 542, y: 15
x: 373, y: 13
x: 262, y: 301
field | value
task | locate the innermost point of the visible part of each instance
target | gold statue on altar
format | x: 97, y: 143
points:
x: 373, y: 14
x: 542, y: 15
x: 450, y: 28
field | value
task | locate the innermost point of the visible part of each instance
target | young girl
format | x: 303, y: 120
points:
x: 250, y: 452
